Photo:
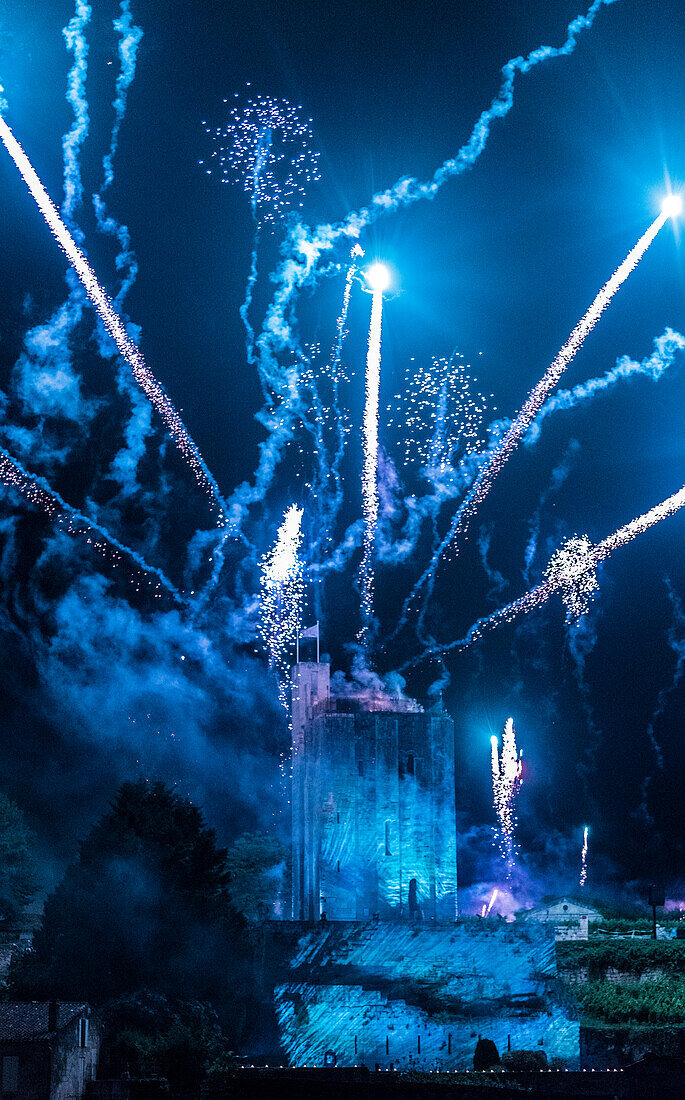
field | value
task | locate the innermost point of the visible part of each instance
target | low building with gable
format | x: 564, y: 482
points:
x: 48, y: 1050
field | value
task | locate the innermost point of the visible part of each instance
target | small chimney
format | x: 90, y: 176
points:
x: 52, y: 1016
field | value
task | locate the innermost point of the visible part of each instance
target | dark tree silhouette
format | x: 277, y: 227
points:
x: 17, y: 865
x: 144, y: 906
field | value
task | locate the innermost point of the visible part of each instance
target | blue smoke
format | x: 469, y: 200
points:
x: 304, y: 249
x: 667, y: 348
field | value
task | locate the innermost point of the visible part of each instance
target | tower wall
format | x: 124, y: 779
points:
x: 373, y: 809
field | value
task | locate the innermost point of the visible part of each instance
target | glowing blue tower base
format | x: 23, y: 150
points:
x: 373, y: 802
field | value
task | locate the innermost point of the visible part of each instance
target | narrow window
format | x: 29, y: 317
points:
x: 410, y: 763
x: 387, y: 839
x: 360, y: 767
x: 338, y: 867
x: 83, y: 1032
x: 10, y: 1073
x: 338, y: 816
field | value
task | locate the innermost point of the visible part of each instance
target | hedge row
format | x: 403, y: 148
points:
x: 635, y: 956
x: 652, y: 1002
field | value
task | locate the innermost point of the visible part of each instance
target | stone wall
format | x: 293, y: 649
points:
x: 414, y: 995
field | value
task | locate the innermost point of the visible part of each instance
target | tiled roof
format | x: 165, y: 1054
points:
x: 28, y: 1020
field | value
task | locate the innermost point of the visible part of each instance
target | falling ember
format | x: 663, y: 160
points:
x: 506, y: 783
x: 583, y: 859
x: 129, y: 351
x: 281, y: 597
x: 266, y: 147
x: 378, y: 278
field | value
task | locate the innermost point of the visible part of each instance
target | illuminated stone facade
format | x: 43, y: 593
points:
x: 374, y: 824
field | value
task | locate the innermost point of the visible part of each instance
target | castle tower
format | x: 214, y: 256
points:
x: 373, y: 802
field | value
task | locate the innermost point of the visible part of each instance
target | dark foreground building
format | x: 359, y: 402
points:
x: 48, y: 1050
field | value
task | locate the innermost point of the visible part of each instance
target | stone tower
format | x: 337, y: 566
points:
x: 373, y: 804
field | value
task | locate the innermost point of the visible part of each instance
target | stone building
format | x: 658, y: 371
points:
x: 48, y: 1050
x: 373, y: 804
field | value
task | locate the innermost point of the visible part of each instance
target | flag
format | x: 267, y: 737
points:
x: 310, y: 632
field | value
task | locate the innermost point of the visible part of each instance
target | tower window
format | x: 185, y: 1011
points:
x: 360, y: 768
x: 410, y: 763
x: 338, y: 867
x: 388, y: 850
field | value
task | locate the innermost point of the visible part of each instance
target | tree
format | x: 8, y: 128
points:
x: 258, y: 875
x: 144, y: 906
x: 17, y: 864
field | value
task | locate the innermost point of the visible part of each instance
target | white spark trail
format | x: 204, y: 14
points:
x: 499, y: 455
x: 507, y: 771
x: 37, y: 490
x: 153, y: 390
x: 579, y: 574
x: 370, y: 471
x: 583, y: 859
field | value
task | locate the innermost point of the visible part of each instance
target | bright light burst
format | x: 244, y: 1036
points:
x: 282, y: 595
x: 378, y: 277
x: 152, y: 389
x: 506, y: 782
x: 266, y: 147
x: 672, y: 206
x: 572, y: 569
x: 370, y: 470
x: 583, y: 859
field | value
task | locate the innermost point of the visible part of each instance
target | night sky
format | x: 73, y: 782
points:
x: 102, y: 682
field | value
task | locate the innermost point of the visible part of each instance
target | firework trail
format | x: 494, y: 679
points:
x: 506, y: 783
x: 492, y: 901
x: 71, y: 142
x: 667, y: 347
x: 676, y: 640
x: 304, y: 248
x: 498, y: 455
x: 39, y: 493
x: 583, y: 859
x: 370, y: 470
x: 559, y: 475
x: 112, y: 322
x: 573, y: 572
x: 282, y: 596
x: 130, y: 36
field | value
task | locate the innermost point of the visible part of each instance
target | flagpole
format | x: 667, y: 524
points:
x: 317, y: 641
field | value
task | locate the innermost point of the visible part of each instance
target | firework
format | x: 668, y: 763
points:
x: 438, y: 417
x: 572, y: 570
x: 493, y: 898
x: 583, y: 859
x: 266, y: 147
x: 37, y: 491
x: 506, y: 783
x: 378, y: 279
x: 504, y: 448
x: 576, y: 573
x: 282, y: 594
x: 152, y: 389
